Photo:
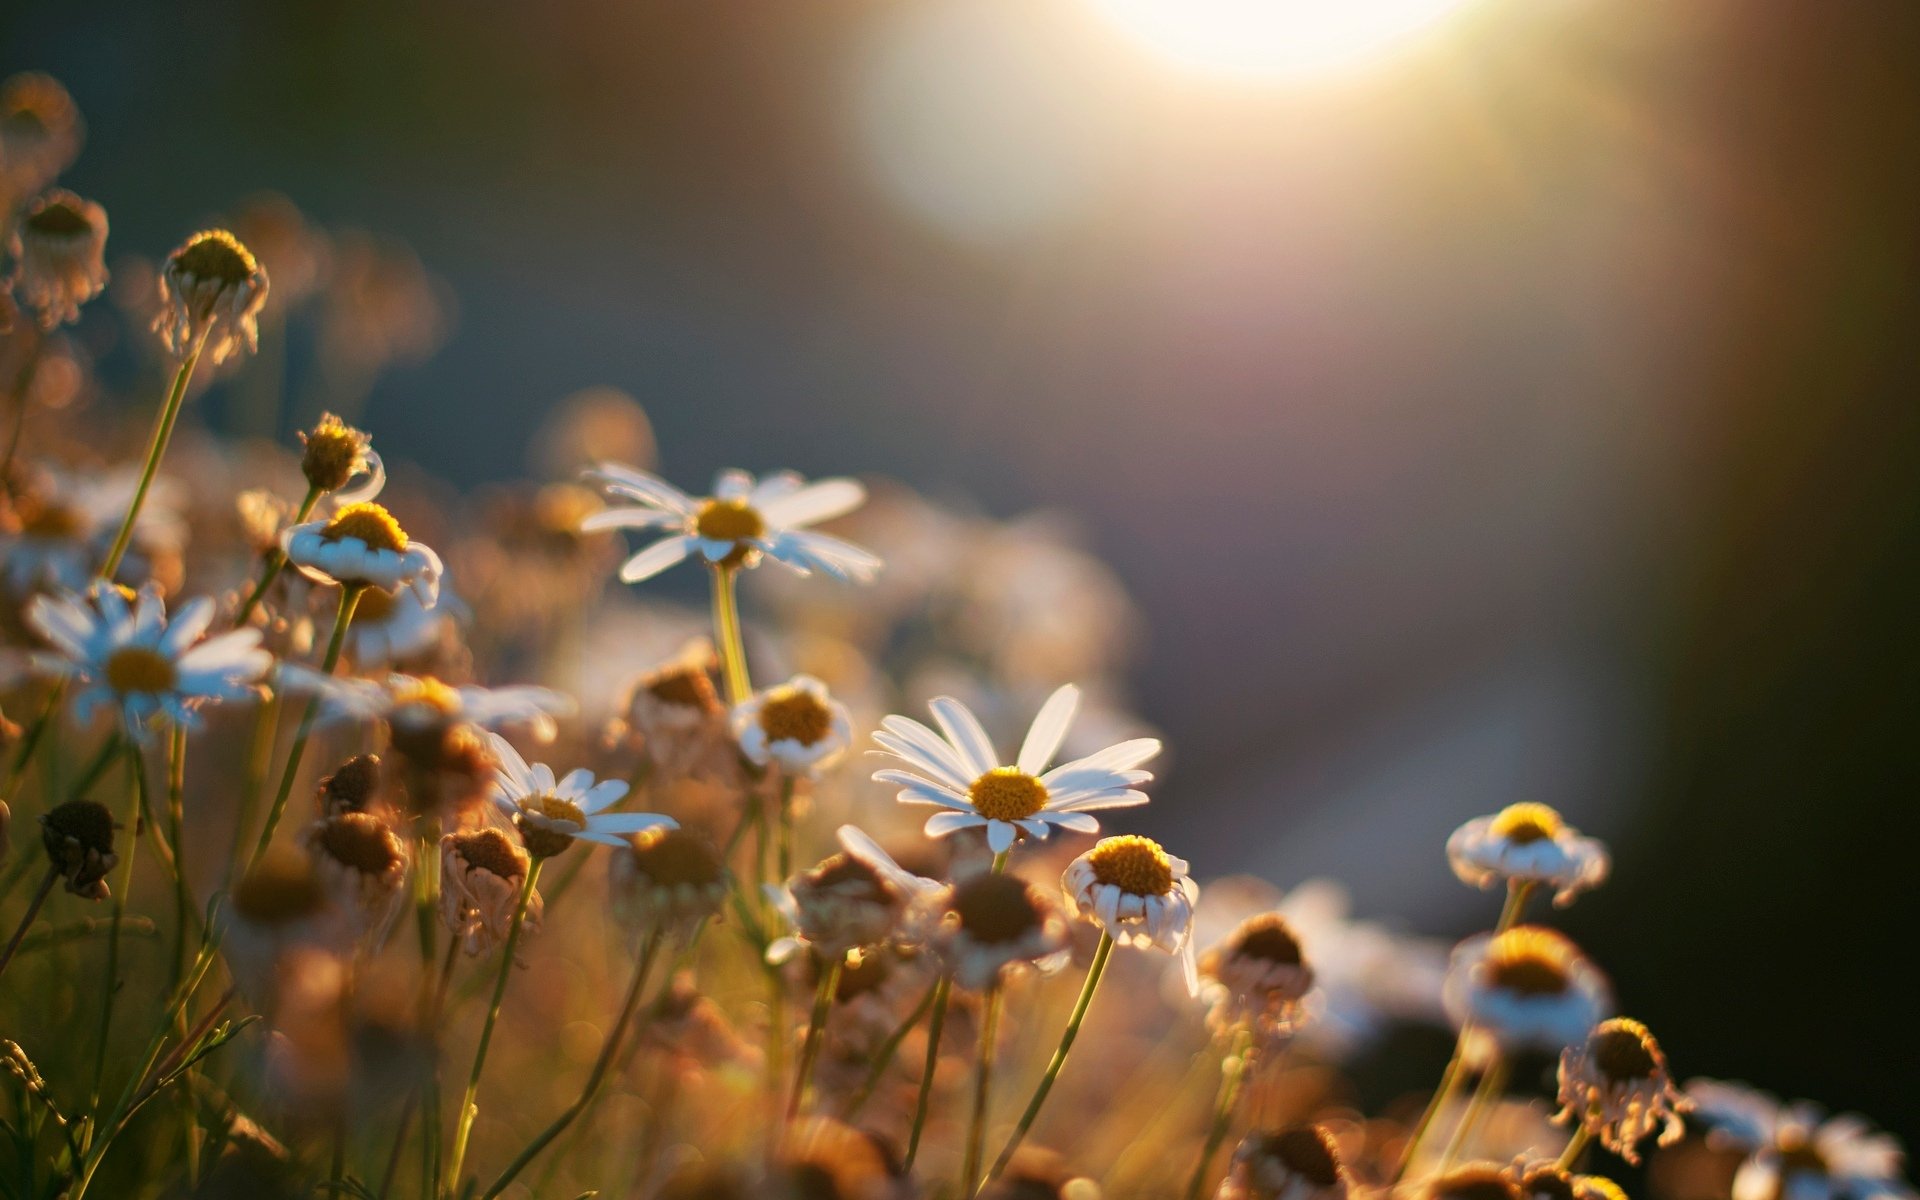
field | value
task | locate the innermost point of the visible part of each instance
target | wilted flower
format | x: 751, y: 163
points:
x: 210, y: 295
x: 1527, y: 987
x: 994, y: 922
x: 796, y: 726
x: 363, y: 867
x: 78, y: 836
x: 60, y: 247
x: 1796, y: 1152
x: 285, y: 243
x: 1474, y: 1181
x: 550, y: 814
x: 380, y: 306
x: 667, y: 876
x: 677, y: 715
x: 362, y: 545
x: 739, y: 523
x: 1547, y: 1180
x: 481, y: 874
x: 131, y: 656
x: 333, y: 452
x: 961, y: 774
x: 1140, y: 895
x: 1527, y: 843
x: 1299, y: 1162
x: 1616, y: 1085
x: 821, y: 1157
x: 858, y: 897
x: 354, y: 787
x: 40, y: 133
x: 64, y: 521
x: 1257, y: 977
x: 279, y: 905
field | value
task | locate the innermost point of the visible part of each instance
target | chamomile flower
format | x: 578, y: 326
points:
x: 1298, y: 1162
x: 1795, y: 1151
x: 1547, y: 1180
x: 421, y: 708
x: 40, y: 133
x: 1257, y: 977
x: 1616, y: 1085
x: 796, y: 726
x: 393, y: 628
x: 211, y: 292
x: 859, y: 897
x: 993, y: 923
x: 1140, y: 895
x: 550, y: 813
x: 65, y: 521
x: 740, y: 523
x: 1527, y: 987
x: 60, y: 248
x: 481, y: 874
x: 333, y: 453
x: 1527, y: 843
x: 362, y: 545
x: 131, y: 656
x: 362, y: 865
x: 961, y: 774
x: 668, y: 878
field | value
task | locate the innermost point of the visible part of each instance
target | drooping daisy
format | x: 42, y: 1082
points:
x: 667, y: 878
x: 481, y: 874
x: 1257, y: 977
x: 1298, y: 1162
x: 1528, y: 843
x: 961, y: 774
x: 1616, y: 1086
x: 551, y: 813
x: 362, y: 545
x: 994, y: 923
x: 60, y: 248
x: 66, y: 519
x: 741, y: 522
x: 1139, y: 894
x: 131, y: 656
x: 212, y: 288
x: 362, y: 865
x: 333, y: 453
x: 393, y: 628
x: 40, y: 132
x: 1795, y: 1151
x: 1527, y: 987
x: 859, y: 897
x: 796, y: 726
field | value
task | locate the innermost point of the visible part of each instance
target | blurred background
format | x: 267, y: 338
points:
x: 1481, y: 400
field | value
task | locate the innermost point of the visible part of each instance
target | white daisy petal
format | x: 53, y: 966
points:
x: 821, y: 500
x: 1049, y: 729
x: 655, y: 559
x: 1000, y: 836
x: 965, y: 734
x: 934, y: 754
x: 941, y: 824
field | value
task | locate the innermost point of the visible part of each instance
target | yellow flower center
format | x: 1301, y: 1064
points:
x: 790, y: 713
x: 215, y: 254
x: 686, y: 687
x: 334, y: 452
x: 1133, y: 864
x: 371, y: 523
x: 1531, y: 961
x: 1624, y: 1049
x: 1007, y: 794
x: 427, y: 693
x: 139, y: 669
x: 554, y: 808
x: 728, y: 521
x: 1525, y: 823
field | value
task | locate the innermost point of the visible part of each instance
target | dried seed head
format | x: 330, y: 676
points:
x: 78, y: 836
x: 1475, y: 1181
x: 353, y: 787
x: 996, y: 908
x: 491, y: 851
x: 360, y: 841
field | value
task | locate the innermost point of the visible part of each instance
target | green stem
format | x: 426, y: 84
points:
x: 883, y: 1058
x: 1233, y: 1074
x: 816, y: 1024
x: 1575, y: 1146
x: 26, y: 919
x: 1493, y: 1083
x: 1101, y: 954
x: 182, y: 896
x: 468, y: 1109
x: 608, y: 1053
x: 156, y: 450
x: 110, y: 984
x: 982, y: 1091
x: 276, y: 561
x: 726, y: 627
x: 266, y: 729
x: 942, y: 994
x: 427, y: 917
x: 786, y: 827
x: 349, y: 599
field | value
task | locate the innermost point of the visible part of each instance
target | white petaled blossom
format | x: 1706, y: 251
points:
x: 60, y: 250
x: 962, y: 775
x: 551, y: 813
x: 1527, y: 987
x: 1140, y: 895
x: 1616, y: 1085
x: 796, y: 726
x: 131, y: 656
x: 859, y: 897
x: 362, y: 545
x: 740, y: 523
x: 423, y: 707
x: 211, y: 293
x: 389, y: 628
x: 1527, y: 843
x: 63, y: 524
x: 1795, y: 1151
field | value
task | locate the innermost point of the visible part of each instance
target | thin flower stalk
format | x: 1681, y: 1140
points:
x: 26, y: 919
x: 125, y: 887
x: 468, y: 1108
x: 349, y: 599
x: 1101, y: 954
x: 1576, y: 1145
x: 17, y: 397
x: 1493, y: 1083
x: 276, y: 561
x: 609, y: 1052
x: 156, y: 450
x: 1234, y: 1069
x: 883, y: 1057
x: 816, y: 1025
x: 182, y: 896
x: 936, y: 1024
x: 726, y: 628
x: 970, y: 1179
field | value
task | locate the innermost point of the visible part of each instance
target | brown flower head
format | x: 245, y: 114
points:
x: 60, y: 249
x: 78, y: 836
x: 481, y: 874
x: 1298, y: 1162
x: 210, y: 295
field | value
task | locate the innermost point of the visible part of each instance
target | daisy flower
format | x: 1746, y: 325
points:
x: 742, y: 521
x: 212, y: 288
x: 1544, y: 1179
x: 1527, y: 987
x: 1298, y: 1162
x: 795, y: 725
x: 667, y: 877
x: 995, y: 922
x: 362, y: 545
x: 390, y: 628
x: 1527, y: 843
x: 60, y: 248
x: 1257, y: 977
x: 422, y: 708
x: 1616, y: 1086
x: 65, y: 520
x: 129, y: 655
x: 1140, y: 895
x: 481, y: 873
x: 961, y: 774
x: 1795, y: 1151
x: 551, y: 813
x: 859, y: 897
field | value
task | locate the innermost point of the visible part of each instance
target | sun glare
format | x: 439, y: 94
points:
x: 1273, y: 39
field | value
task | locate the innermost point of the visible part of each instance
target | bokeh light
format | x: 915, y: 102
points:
x: 1274, y: 38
